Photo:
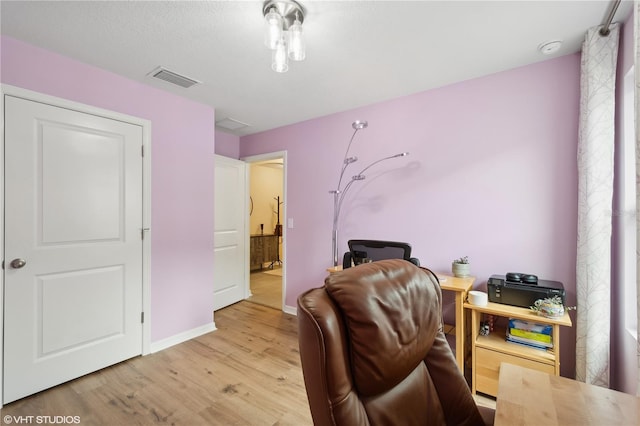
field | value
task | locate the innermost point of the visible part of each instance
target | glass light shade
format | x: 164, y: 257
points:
x: 279, y: 61
x: 296, y: 42
x: 273, y: 28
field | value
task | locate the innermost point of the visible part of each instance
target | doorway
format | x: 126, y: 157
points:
x: 266, y: 230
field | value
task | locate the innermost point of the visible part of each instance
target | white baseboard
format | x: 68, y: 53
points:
x: 291, y: 310
x: 182, y: 337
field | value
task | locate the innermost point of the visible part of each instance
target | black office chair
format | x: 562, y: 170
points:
x: 372, y: 250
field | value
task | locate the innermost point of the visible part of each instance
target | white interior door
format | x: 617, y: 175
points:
x: 73, y: 201
x: 230, y: 258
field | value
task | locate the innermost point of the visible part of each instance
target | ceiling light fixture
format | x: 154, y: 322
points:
x: 283, y: 32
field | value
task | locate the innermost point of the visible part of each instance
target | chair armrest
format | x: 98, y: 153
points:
x: 346, y: 260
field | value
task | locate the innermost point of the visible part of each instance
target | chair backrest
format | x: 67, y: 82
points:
x: 373, y: 351
x: 376, y: 250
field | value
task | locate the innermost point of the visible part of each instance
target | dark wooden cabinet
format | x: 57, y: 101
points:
x: 264, y: 249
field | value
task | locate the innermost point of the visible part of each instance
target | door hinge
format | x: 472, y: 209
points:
x: 142, y: 317
x: 142, y: 150
x: 142, y: 231
x: 3, y: 264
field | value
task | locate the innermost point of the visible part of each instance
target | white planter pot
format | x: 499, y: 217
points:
x: 461, y: 270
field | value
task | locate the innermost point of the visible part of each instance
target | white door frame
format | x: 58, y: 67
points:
x: 264, y: 157
x: 146, y: 201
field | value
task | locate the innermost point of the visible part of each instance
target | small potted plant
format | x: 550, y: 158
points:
x: 551, y: 307
x: 461, y: 268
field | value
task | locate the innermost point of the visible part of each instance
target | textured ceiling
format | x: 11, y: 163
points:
x: 358, y: 52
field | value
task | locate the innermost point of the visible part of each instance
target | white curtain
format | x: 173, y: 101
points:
x: 595, y: 192
x: 636, y: 32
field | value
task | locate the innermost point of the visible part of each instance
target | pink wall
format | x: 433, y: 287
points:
x: 227, y: 144
x: 492, y: 174
x: 182, y: 136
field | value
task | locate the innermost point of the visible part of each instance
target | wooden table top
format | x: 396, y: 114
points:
x: 448, y: 282
x: 519, y: 312
x: 530, y: 397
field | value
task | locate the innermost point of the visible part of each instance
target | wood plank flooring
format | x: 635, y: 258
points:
x: 245, y: 373
x: 266, y: 287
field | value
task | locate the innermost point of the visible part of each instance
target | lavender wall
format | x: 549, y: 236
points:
x: 182, y: 136
x: 492, y: 174
x: 227, y: 144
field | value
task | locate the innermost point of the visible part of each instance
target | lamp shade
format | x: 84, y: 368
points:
x: 296, y: 42
x: 279, y: 61
x: 273, y: 28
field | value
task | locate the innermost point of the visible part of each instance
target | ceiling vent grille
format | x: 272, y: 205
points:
x: 173, y: 78
x: 231, y: 124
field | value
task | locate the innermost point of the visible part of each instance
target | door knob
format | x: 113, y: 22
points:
x: 18, y: 263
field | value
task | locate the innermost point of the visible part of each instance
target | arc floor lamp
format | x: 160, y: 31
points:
x: 340, y: 193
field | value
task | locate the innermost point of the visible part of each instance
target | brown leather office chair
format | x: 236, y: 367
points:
x: 373, y: 351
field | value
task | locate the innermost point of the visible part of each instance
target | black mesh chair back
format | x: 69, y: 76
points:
x: 373, y: 250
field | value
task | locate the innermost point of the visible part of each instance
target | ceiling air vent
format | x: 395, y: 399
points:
x: 231, y: 124
x: 173, y: 78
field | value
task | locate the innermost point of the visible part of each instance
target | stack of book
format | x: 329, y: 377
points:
x: 530, y: 334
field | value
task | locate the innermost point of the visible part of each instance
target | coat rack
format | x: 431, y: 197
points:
x: 278, y: 232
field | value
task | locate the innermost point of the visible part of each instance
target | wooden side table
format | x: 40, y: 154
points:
x: 263, y: 249
x: 461, y: 287
x: 488, y: 352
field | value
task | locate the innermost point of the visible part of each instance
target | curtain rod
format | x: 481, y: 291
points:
x: 604, y: 31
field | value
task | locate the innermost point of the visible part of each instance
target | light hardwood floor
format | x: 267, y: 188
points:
x: 245, y: 373
x: 266, y: 287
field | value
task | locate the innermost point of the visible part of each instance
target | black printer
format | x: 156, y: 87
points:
x: 522, y: 289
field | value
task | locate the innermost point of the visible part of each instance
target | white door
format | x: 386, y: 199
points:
x: 230, y: 258
x: 73, y: 201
